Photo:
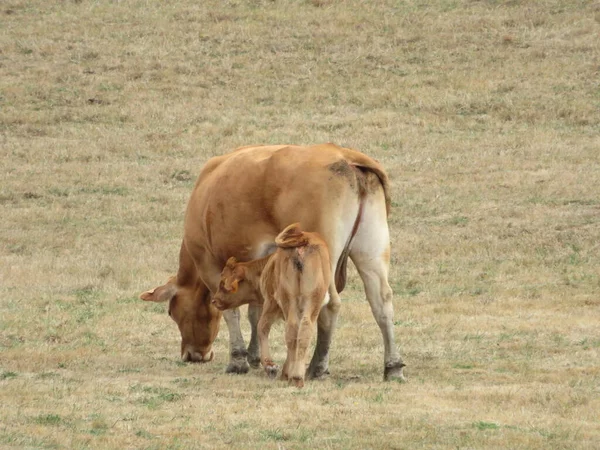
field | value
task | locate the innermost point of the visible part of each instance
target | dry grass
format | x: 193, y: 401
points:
x: 486, y: 115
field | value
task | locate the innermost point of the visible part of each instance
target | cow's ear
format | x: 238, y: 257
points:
x: 231, y: 262
x: 162, y: 293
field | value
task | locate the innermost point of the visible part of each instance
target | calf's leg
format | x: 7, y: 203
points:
x: 291, y: 342
x: 304, y: 336
x: 268, y: 316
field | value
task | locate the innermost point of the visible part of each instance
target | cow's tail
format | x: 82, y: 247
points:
x: 364, y: 165
x: 367, y: 164
x: 292, y: 236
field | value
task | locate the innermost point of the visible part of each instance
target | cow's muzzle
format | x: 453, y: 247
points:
x: 190, y: 355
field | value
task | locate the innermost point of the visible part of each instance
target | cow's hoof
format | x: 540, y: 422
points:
x: 394, y: 372
x: 254, y: 361
x: 239, y: 366
x: 320, y: 373
x: 271, y: 371
x: 253, y: 356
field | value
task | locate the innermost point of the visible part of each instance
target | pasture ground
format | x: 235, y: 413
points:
x: 486, y: 115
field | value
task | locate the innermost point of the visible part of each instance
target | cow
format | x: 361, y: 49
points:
x: 291, y: 283
x: 338, y: 192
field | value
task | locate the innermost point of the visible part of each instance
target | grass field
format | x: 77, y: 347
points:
x: 486, y: 115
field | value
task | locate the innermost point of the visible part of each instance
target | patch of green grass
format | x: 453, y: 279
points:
x: 144, y: 434
x: 409, y: 289
x: 478, y: 337
x: 91, y: 338
x: 106, y: 86
x: 129, y: 370
x: 303, y: 435
x: 129, y: 299
x: 463, y: 366
x: 99, y: 426
x: 47, y: 375
x: 87, y: 293
x: 105, y: 190
x: 19, y: 440
x: 8, y: 375
x: 154, y: 397
x: 49, y: 419
x: 460, y: 221
x: 276, y: 435
x: 340, y: 384
x: 482, y: 426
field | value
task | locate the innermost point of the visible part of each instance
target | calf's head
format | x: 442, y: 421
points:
x: 234, y: 288
x: 197, y: 319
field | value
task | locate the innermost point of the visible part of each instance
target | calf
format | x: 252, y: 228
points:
x: 293, y: 283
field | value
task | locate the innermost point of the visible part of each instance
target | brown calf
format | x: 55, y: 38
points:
x: 293, y: 283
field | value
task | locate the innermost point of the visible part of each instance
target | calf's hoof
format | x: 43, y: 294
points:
x: 272, y: 370
x: 239, y: 366
x: 298, y: 382
x: 394, y: 372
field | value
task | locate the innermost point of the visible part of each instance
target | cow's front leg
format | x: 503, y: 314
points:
x: 254, y: 313
x: 237, y: 348
x: 319, y: 365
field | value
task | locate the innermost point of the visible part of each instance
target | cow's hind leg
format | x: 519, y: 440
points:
x: 254, y: 313
x: 238, y: 362
x: 371, y: 255
x: 379, y: 294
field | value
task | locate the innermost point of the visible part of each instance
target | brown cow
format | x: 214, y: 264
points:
x: 293, y: 283
x: 337, y: 192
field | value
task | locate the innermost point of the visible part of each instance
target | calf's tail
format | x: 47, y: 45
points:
x: 291, y: 237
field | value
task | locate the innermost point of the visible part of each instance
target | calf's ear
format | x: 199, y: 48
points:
x: 230, y: 284
x: 231, y: 262
x: 234, y: 286
x: 162, y: 293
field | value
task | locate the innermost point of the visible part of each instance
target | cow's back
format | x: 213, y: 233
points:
x: 242, y: 200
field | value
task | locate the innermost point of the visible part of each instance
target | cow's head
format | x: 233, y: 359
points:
x: 234, y: 288
x: 197, y: 319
